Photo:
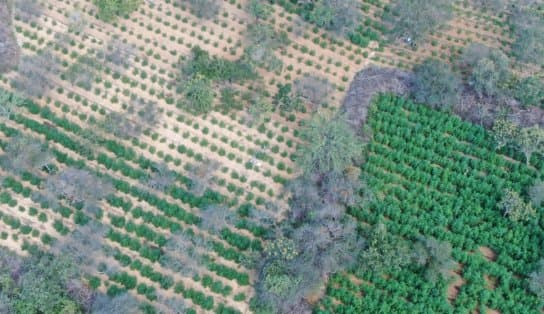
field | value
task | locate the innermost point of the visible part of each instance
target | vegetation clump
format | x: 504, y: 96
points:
x: 109, y: 10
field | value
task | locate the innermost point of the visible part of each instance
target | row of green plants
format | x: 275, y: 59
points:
x: 125, y: 240
x: 237, y: 191
x: 441, y: 177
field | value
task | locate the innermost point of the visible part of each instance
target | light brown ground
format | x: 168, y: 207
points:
x: 457, y: 282
x: 488, y: 253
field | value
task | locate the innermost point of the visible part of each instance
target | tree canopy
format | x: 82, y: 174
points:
x: 529, y: 91
x: 415, y: 19
x: 259, y: 9
x: 39, y: 284
x: 199, y: 94
x: 216, y: 69
x: 490, y: 74
x: 109, y: 10
x: 330, y: 147
x: 340, y: 16
x: 515, y: 208
x: 436, y: 257
x: 434, y: 83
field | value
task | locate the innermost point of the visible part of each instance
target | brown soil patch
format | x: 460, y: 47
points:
x: 488, y: 253
x: 488, y: 311
x: 314, y: 296
x: 457, y: 282
x: 491, y: 282
x: 454, y: 287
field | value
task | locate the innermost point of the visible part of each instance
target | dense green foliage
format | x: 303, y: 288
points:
x: 144, y: 242
x: 217, y: 69
x: 490, y: 75
x: 434, y: 175
x: 259, y: 9
x: 37, y: 284
x: 332, y: 146
x: 108, y: 10
x: 199, y: 75
x: 339, y: 16
x: 199, y: 94
x: 530, y: 91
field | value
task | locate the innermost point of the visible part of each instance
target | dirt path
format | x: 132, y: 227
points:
x: 488, y: 253
x: 456, y: 284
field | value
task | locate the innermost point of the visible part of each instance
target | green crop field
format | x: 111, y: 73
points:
x: 435, y: 175
x: 267, y: 156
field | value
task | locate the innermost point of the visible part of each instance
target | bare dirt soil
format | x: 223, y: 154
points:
x: 488, y: 253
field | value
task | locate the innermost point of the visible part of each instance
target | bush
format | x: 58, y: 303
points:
x: 108, y: 10
x: 434, y: 83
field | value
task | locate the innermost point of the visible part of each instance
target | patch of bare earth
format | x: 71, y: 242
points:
x: 316, y: 295
x: 487, y: 311
x: 455, y: 285
x: 488, y: 253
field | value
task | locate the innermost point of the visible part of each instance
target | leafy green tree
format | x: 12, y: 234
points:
x: 286, y: 100
x: 513, y: 206
x: 435, y: 256
x: 472, y: 54
x: 530, y: 140
x: 383, y: 252
x: 414, y: 19
x: 258, y: 109
x: 490, y: 75
x: 8, y: 103
x: 262, y: 41
x: 216, y: 69
x: 199, y: 94
x: 530, y: 91
x: 340, y: 16
x: 259, y: 9
x: 38, y: 283
x: 435, y: 84
x: 330, y: 146
x: 504, y: 132
x: 109, y: 10
x: 265, y: 35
